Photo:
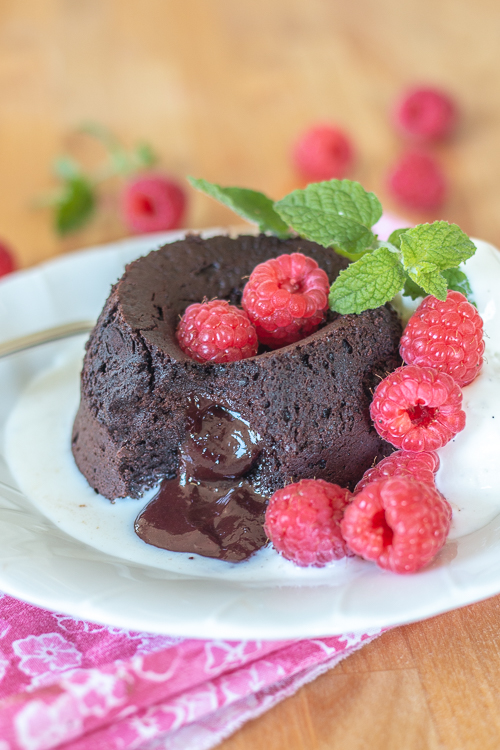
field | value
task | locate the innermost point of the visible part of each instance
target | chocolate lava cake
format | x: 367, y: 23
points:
x: 308, y: 401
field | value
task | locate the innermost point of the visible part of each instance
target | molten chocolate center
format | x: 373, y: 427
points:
x: 209, y: 509
x: 219, y: 446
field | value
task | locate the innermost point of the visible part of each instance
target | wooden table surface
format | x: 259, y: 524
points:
x: 221, y: 89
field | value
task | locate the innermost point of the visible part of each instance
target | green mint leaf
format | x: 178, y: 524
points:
x: 413, y: 290
x: 336, y: 213
x: 395, y: 237
x: 250, y: 204
x: 440, y: 244
x: 75, y: 206
x: 344, y: 198
x: 458, y: 281
x: 368, y: 283
x: 346, y: 236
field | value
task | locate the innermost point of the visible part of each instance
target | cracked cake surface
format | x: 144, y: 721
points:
x: 308, y: 401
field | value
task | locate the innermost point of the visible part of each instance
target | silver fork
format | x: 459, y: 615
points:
x: 45, y: 336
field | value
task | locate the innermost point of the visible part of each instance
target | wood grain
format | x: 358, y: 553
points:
x: 222, y: 89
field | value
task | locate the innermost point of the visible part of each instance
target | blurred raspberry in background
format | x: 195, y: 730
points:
x: 426, y: 114
x: 323, y: 152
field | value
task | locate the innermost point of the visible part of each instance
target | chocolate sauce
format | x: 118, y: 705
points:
x: 224, y: 520
x: 209, y: 508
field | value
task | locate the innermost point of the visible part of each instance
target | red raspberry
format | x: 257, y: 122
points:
x: 421, y: 466
x: 322, y: 153
x: 417, y: 408
x: 7, y: 262
x: 286, y: 298
x: 153, y: 203
x: 398, y: 522
x: 426, y: 113
x: 216, y: 332
x: 417, y: 181
x: 302, y: 521
x: 447, y: 336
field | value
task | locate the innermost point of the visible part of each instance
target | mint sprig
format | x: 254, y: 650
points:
x: 250, y: 204
x: 429, y: 249
x: 337, y: 213
x: 455, y: 278
x: 340, y: 214
x: 427, y: 258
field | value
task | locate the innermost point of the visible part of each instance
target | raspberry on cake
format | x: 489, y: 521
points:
x: 286, y: 298
x: 398, y: 522
x: 421, y: 466
x: 302, y: 522
x: 417, y: 408
x: 446, y: 335
x: 216, y: 331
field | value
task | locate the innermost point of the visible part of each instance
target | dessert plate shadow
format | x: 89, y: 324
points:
x: 43, y: 564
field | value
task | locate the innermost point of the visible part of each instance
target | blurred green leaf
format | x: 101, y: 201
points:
x: 66, y: 168
x: 76, y: 205
x: 145, y: 155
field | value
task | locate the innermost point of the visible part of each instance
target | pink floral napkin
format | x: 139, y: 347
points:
x: 66, y: 683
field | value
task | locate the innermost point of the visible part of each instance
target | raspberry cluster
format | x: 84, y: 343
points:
x: 425, y: 115
x: 397, y: 520
x: 284, y: 300
x: 396, y: 516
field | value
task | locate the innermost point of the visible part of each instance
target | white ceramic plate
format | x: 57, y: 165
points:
x: 43, y: 564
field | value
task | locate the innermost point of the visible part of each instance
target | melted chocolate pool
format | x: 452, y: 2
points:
x: 210, y: 509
